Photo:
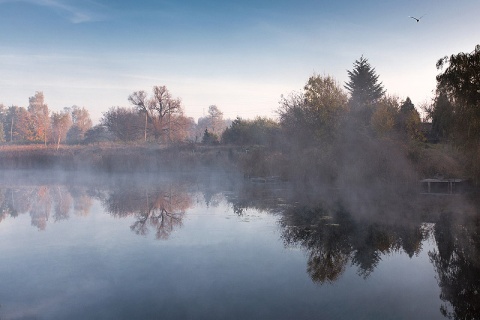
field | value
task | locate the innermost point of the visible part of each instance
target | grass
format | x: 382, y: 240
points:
x: 313, y: 165
x: 117, y: 157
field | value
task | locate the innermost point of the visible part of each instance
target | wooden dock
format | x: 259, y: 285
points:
x: 445, y: 186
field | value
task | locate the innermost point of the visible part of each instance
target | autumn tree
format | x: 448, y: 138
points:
x: 316, y: 114
x: 384, y: 117
x: 2, y: 133
x: 460, y: 82
x: 182, y: 128
x: 124, y: 123
x: 2, y: 121
x: 61, y: 123
x: 97, y: 134
x: 9, y: 122
x: 81, y: 123
x: 39, y: 117
x: 19, y: 125
x: 260, y: 131
x: 159, y: 111
x: 408, y: 120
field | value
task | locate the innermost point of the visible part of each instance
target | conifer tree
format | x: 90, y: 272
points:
x: 364, y: 88
x: 408, y: 120
x: 442, y: 115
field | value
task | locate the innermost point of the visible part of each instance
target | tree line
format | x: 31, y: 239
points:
x: 322, y: 116
x: 312, y: 115
x: 36, y: 124
x: 159, y: 118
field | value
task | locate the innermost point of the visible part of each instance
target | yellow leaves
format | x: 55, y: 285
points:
x: 383, y: 120
x: 384, y: 117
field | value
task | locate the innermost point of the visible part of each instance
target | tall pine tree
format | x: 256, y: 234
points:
x: 364, y: 88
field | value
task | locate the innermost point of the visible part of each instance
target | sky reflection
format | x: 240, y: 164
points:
x: 186, y: 250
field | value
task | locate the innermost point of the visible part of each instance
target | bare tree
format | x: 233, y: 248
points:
x: 159, y: 110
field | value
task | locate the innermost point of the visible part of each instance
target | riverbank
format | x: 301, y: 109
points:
x: 382, y: 160
x: 117, y: 158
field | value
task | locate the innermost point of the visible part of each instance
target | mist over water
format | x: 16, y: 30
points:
x: 133, y: 246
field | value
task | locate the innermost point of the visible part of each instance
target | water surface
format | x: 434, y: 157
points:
x: 187, y: 249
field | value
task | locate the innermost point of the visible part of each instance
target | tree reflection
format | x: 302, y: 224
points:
x: 374, y: 242
x: 261, y: 197
x: 325, y: 237
x: 6, y: 204
x: 457, y: 262
x: 338, y: 232
x: 333, y: 235
x: 40, y: 202
x: 18, y: 200
x: 159, y: 207
x: 334, y: 238
x: 63, y: 202
x: 82, y: 202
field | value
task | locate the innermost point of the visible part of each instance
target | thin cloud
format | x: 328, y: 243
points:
x: 72, y: 13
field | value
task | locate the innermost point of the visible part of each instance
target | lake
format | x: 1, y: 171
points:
x: 128, y: 247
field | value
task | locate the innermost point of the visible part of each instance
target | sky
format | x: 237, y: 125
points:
x: 241, y: 56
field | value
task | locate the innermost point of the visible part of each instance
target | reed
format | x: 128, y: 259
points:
x: 117, y: 158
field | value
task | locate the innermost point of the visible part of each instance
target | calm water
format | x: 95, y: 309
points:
x: 176, y: 249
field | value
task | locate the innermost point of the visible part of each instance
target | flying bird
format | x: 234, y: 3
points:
x: 417, y: 19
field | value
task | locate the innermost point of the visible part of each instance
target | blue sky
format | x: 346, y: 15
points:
x: 240, y: 56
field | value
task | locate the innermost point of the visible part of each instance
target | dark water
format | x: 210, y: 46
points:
x: 190, y: 249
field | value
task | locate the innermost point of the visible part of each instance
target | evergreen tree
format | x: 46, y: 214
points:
x: 364, y: 88
x: 209, y: 137
x: 407, y: 106
x: 442, y: 117
x: 408, y: 120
